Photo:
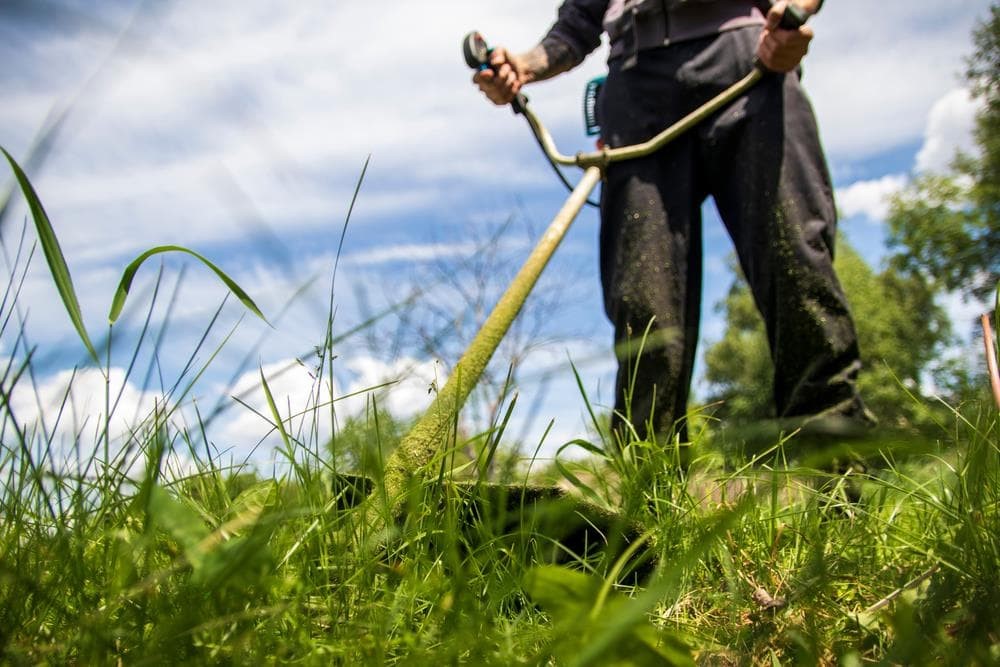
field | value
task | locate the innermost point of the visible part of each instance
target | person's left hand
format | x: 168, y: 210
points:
x: 781, y: 50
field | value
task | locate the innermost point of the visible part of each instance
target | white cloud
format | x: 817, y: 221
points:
x: 410, y: 252
x: 870, y: 198
x: 64, y: 417
x: 873, y: 91
x: 412, y: 383
x: 74, y: 401
x: 296, y: 393
x: 968, y: 346
x: 964, y: 315
x: 288, y: 100
x: 402, y: 387
x: 949, y: 129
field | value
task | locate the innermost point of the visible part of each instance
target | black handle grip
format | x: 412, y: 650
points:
x: 477, y: 56
x: 794, y: 17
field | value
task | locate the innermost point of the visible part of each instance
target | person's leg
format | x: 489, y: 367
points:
x: 651, y: 273
x: 770, y: 181
x: 651, y: 245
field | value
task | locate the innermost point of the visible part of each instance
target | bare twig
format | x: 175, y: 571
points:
x: 887, y: 600
x: 991, y: 359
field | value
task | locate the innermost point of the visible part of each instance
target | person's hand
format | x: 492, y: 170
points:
x: 503, y: 80
x: 781, y: 50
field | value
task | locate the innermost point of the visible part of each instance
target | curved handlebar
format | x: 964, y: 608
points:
x: 477, y: 54
x: 606, y: 156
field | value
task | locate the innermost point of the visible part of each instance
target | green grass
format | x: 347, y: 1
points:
x: 112, y: 551
x: 124, y: 558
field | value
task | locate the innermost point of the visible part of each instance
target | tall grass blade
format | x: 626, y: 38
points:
x: 343, y: 230
x: 181, y: 522
x: 624, y: 618
x: 279, y: 423
x: 588, y: 492
x: 53, y: 256
x: 126, y: 282
x: 569, y: 597
x: 586, y: 400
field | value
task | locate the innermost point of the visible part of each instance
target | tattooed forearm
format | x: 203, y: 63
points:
x: 549, y: 58
x: 560, y: 56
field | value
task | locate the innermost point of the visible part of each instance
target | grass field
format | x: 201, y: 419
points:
x: 143, y: 548
x: 113, y: 553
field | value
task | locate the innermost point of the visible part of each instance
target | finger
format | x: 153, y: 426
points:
x: 500, y: 92
x: 775, y: 13
x: 512, y: 80
x: 498, y: 57
x: 489, y: 87
x: 501, y: 96
x: 765, y: 55
x: 784, y: 46
x: 792, y: 38
x: 774, y: 58
x: 495, y: 94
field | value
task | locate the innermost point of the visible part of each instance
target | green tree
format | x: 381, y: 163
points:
x: 901, y: 331
x: 947, y: 226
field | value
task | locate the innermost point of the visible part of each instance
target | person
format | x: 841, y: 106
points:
x: 760, y: 159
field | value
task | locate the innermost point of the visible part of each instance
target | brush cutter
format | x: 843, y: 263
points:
x: 422, y: 445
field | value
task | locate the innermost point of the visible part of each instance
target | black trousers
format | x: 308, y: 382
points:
x: 762, y: 162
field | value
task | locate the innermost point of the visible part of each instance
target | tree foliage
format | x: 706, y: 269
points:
x: 947, y: 226
x: 901, y: 331
x: 901, y: 334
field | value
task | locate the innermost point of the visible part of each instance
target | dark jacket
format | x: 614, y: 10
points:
x: 635, y: 25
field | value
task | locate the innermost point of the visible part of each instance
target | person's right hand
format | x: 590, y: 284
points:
x: 781, y: 50
x: 503, y: 80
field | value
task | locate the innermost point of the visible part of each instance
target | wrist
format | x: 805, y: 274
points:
x: 550, y: 57
x: 527, y: 65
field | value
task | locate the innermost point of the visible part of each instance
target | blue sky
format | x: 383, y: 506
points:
x: 241, y: 129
